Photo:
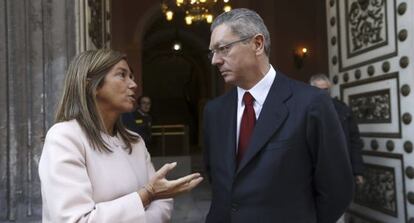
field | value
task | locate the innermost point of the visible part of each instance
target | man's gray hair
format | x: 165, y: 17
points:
x: 244, y: 23
x: 318, y: 77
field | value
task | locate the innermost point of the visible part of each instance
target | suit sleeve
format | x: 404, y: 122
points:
x: 206, y: 156
x: 355, y: 146
x: 158, y: 211
x: 67, y: 189
x: 332, y: 175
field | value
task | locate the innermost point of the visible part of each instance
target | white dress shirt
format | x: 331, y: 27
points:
x: 259, y: 93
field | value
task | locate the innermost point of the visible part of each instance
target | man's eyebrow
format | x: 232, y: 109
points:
x: 218, y: 44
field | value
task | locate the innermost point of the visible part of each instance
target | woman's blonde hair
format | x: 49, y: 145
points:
x: 85, y: 75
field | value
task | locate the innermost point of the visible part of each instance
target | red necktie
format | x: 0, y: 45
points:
x: 246, y: 125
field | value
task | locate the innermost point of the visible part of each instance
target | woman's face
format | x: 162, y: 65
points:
x: 117, y: 93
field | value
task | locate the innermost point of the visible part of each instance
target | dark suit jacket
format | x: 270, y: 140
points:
x: 296, y: 168
x: 352, y: 137
x: 140, y: 123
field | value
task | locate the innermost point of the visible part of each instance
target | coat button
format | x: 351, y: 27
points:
x: 234, y: 207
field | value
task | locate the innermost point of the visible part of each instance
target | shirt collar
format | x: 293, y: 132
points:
x: 261, y: 89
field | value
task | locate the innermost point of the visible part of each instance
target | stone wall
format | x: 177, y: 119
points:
x: 36, y: 43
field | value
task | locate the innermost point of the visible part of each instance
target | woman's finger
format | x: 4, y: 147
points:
x: 194, y: 183
x: 184, y: 180
x: 162, y: 172
x: 190, y: 185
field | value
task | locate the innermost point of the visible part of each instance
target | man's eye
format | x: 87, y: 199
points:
x: 222, y: 48
x: 225, y: 48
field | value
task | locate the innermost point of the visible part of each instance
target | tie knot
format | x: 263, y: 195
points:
x: 248, y: 99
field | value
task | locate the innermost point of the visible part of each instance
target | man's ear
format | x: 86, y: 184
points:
x: 259, y: 44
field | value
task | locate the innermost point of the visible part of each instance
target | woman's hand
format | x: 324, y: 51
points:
x: 161, y: 188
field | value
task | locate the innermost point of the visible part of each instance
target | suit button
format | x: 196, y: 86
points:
x: 234, y: 207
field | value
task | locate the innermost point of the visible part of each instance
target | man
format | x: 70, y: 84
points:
x: 349, y: 126
x: 276, y: 153
x: 140, y: 120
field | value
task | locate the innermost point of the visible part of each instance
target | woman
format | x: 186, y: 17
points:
x: 92, y: 169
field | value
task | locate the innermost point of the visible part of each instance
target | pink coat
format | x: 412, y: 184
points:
x: 80, y: 184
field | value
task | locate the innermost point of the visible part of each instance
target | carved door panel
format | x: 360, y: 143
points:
x: 370, y: 51
x: 93, y: 24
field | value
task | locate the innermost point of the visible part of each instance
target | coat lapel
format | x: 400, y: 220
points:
x: 271, y: 118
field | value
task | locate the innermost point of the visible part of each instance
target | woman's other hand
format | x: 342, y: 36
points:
x: 160, y: 188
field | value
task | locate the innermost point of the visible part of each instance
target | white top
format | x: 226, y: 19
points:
x: 80, y: 184
x: 259, y: 93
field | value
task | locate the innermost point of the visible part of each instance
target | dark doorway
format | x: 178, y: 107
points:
x: 178, y: 81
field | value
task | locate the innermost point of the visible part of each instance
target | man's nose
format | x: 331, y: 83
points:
x: 216, y: 59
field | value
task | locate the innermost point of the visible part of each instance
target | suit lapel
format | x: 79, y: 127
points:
x: 273, y: 114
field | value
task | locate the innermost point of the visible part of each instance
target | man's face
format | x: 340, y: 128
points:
x: 234, y: 57
x: 145, y: 104
x: 322, y: 84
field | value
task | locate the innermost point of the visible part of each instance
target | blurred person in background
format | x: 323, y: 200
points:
x: 140, y: 120
x: 350, y: 128
x: 349, y: 125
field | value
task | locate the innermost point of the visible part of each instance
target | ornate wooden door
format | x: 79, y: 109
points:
x: 371, y: 53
